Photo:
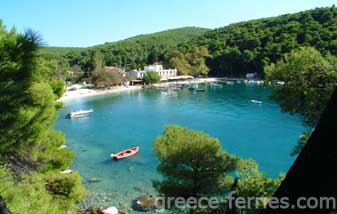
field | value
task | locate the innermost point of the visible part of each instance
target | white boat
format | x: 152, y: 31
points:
x: 256, y: 101
x: 216, y: 85
x: 80, y: 113
x: 67, y: 171
x: 63, y: 147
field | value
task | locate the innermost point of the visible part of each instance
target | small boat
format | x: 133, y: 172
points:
x: 67, y: 171
x: 80, y: 113
x: 216, y: 85
x: 256, y: 101
x: 63, y: 147
x: 193, y: 87
x: 200, y: 89
x: 125, y: 153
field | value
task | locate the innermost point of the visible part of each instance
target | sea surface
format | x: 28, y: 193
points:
x: 136, y: 118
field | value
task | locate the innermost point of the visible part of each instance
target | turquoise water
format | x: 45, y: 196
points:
x: 136, y: 118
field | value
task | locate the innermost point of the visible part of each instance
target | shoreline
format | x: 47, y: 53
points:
x: 86, y: 92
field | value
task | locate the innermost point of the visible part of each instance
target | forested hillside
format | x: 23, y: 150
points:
x: 233, y: 50
x: 59, y: 51
x: 249, y: 46
x: 133, y: 52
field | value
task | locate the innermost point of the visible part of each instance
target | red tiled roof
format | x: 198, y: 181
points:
x: 110, y: 68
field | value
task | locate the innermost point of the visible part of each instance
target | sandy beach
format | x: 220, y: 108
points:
x: 86, y: 92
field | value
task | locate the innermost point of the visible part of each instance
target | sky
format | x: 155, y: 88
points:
x: 83, y: 23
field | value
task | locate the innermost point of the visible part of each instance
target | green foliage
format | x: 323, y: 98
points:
x: 58, y: 86
x: 233, y: 50
x: 151, y: 77
x: 309, y: 80
x: 192, y: 163
x: 103, y: 78
x: 95, y: 61
x: 191, y: 63
x: 59, y: 105
x: 179, y: 60
x: 253, y: 183
x: 66, y: 185
x: 29, y: 148
x: 58, y: 51
x: 131, y: 53
x: 30, y: 195
x: 300, y: 143
x: 249, y: 46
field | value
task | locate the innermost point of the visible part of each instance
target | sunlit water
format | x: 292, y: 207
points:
x: 136, y: 118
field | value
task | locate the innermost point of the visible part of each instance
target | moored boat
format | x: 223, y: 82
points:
x: 125, y: 153
x: 67, y: 171
x: 216, y: 85
x: 200, y: 89
x: 80, y: 113
x: 193, y: 87
x: 256, y: 101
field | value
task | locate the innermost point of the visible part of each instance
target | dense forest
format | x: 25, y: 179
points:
x: 249, y: 46
x: 232, y: 50
x: 132, y: 53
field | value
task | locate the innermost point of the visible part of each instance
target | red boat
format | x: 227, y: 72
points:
x: 125, y: 153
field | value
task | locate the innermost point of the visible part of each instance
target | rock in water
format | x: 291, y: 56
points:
x: 111, y: 210
x: 145, y: 203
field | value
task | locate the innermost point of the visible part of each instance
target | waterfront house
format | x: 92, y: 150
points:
x: 164, y: 73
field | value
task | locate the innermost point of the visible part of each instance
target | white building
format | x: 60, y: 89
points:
x: 164, y: 73
x: 251, y: 75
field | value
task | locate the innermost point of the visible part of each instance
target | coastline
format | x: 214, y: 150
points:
x: 86, y: 92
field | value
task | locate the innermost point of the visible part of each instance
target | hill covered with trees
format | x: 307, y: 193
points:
x: 232, y: 50
x: 132, y: 52
x: 249, y: 46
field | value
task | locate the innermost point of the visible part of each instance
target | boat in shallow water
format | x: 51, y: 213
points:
x: 200, y: 89
x: 125, y: 153
x: 256, y: 101
x: 80, y: 113
x: 216, y: 85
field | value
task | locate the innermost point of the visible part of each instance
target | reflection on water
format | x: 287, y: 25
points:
x: 135, y: 118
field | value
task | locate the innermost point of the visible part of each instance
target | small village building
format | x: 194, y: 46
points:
x: 164, y: 73
x: 111, y: 68
x: 251, y: 76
